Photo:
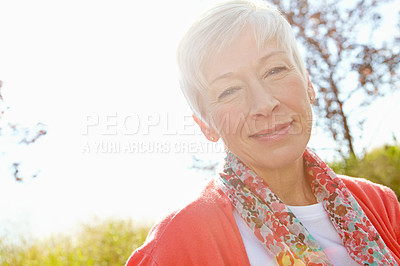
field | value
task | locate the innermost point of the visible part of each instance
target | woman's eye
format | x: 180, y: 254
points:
x: 227, y: 92
x: 276, y: 70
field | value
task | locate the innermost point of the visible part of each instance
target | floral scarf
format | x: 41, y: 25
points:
x: 283, y: 234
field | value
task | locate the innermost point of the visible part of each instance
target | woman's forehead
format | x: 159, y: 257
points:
x: 249, y: 39
x: 244, y: 51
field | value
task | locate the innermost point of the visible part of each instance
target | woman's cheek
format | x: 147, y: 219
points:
x: 230, y: 120
x: 221, y: 115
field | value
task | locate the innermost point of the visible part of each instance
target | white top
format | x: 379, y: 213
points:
x: 317, y: 222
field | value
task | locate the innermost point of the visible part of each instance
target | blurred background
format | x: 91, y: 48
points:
x: 97, y: 141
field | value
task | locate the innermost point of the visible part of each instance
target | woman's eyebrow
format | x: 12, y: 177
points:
x: 261, y: 61
x: 267, y: 56
x: 226, y: 75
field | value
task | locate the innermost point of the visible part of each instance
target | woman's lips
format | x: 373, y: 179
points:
x: 273, y: 133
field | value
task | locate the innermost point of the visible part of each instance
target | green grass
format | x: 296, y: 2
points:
x: 108, y: 242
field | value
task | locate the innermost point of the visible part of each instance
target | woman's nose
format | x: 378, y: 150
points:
x: 262, y: 101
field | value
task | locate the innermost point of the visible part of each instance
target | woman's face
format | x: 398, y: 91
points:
x: 259, y: 103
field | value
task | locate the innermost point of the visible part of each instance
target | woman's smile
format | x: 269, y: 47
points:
x: 275, y: 133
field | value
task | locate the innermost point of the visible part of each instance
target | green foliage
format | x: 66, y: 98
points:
x: 381, y: 166
x: 109, y: 242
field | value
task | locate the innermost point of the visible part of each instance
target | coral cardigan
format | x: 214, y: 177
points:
x: 205, y: 231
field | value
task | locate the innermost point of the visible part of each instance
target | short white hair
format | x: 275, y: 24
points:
x: 217, y: 28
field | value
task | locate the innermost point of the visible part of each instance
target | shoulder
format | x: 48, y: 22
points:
x: 185, y: 235
x: 365, y: 189
x: 211, y: 205
x: 381, y: 206
x: 377, y: 198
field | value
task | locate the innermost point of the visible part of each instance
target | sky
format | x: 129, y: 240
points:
x: 101, y: 75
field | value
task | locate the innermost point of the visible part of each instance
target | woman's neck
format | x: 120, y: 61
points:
x: 290, y: 183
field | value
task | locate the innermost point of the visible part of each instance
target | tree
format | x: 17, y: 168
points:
x: 348, y: 72
x: 24, y: 135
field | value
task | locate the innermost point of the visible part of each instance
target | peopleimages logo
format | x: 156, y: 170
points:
x: 165, y: 133
x: 166, y: 124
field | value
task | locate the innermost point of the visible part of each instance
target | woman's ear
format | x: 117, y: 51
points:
x: 208, y: 132
x: 310, y: 89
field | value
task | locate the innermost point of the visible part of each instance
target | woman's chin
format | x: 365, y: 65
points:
x: 259, y: 156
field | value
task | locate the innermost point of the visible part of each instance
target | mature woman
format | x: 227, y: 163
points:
x: 276, y: 202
